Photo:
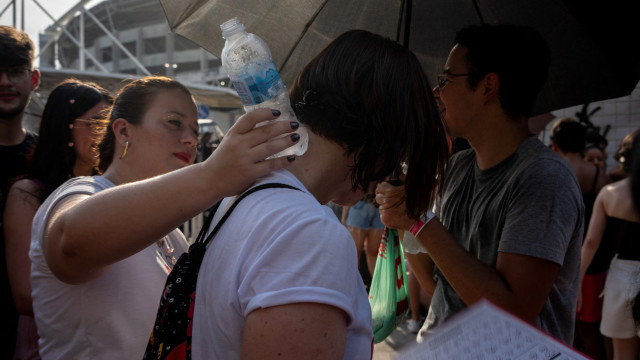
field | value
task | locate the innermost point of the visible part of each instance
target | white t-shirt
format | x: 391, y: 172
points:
x: 280, y: 246
x: 110, y: 317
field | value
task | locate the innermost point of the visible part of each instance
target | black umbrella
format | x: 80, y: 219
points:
x: 592, y: 42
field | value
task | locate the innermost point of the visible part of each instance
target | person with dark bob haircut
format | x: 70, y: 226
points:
x: 280, y: 278
x: 510, y: 213
x: 102, y: 246
x: 70, y: 126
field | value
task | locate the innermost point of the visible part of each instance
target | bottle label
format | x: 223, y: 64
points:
x: 257, y: 88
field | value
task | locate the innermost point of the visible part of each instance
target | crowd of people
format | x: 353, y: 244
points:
x: 91, y: 205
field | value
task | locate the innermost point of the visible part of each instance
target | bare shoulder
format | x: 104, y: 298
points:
x: 27, y: 191
x: 619, y: 188
x: 26, y: 185
x: 617, y: 200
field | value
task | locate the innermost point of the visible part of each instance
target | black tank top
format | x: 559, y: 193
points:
x: 625, y: 235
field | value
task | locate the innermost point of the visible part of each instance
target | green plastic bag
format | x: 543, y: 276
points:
x: 389, y: 293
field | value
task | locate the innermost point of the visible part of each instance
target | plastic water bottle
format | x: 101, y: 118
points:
x: 247, y: 60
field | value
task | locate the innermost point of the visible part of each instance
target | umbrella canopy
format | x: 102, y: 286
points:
x: 591, y: 42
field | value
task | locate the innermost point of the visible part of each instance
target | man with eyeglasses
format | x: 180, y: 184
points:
x: 17, y: 80
x: 509, y: 213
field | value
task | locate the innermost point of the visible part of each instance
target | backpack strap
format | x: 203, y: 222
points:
x: 201, y: 236
x: 207, y: 222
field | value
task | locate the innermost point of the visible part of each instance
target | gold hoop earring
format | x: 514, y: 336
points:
x: 126, y: 148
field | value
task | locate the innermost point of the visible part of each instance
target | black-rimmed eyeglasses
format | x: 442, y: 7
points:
x: 16, y: 74
x: 444, y: 78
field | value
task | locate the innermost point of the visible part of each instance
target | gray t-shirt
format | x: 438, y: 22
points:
x: 528, y: 204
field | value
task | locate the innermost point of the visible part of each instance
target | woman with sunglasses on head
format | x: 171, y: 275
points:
x: 102, y: 246
x: 66, y: 148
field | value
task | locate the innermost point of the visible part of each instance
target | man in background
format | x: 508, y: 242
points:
x: 509, y: 214
x: 568, y: 139
x: 18, y: 79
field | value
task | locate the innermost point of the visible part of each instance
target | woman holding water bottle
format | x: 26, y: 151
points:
x: 102, y: 246
x: 280, y: 277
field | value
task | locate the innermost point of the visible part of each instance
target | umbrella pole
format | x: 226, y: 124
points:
x: 404, y: 18
x: 475, y: 4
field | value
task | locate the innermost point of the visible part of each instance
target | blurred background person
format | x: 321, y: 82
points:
x: 600, y: 141
x: 568, y: 139
x: 363, y: 222
x: 70, y: 126
x: 595, y: 155
x: 635, y: 191
x: 622, y: 157
x: 616, y: 219
x: 18, y: 79
x: 419, y: 300
x: 205, y: 147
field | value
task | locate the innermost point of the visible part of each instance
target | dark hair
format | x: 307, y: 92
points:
x: 594, y: 137
x: 16, y: 48
x: 518, y: 54
x: 569, y: 135
x: 53, y: 160
x: 590, y: 146
x: 131, y: 103
x: 625, y: 151
x: 370, y: 95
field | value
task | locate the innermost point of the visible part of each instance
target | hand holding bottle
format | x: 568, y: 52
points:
x: 247, y: 60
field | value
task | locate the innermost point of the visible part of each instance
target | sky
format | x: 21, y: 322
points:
x: 36, y: 20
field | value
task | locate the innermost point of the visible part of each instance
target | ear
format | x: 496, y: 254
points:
x: 35, y: 79
x: 491, y: 83
x: 121, y: 129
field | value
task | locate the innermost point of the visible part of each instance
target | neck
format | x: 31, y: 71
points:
x: 82, y: 168
x: 117, y: 174
x: 11, y: 131
x: 130, y: 169
x: 323, y: 169
x: 571, y: 158
x: 498, y: 138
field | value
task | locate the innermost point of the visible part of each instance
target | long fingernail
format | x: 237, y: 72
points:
x: 294, y: 124
x: 295, y: 137
x: 275, y: 112
x: 290, y: 158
